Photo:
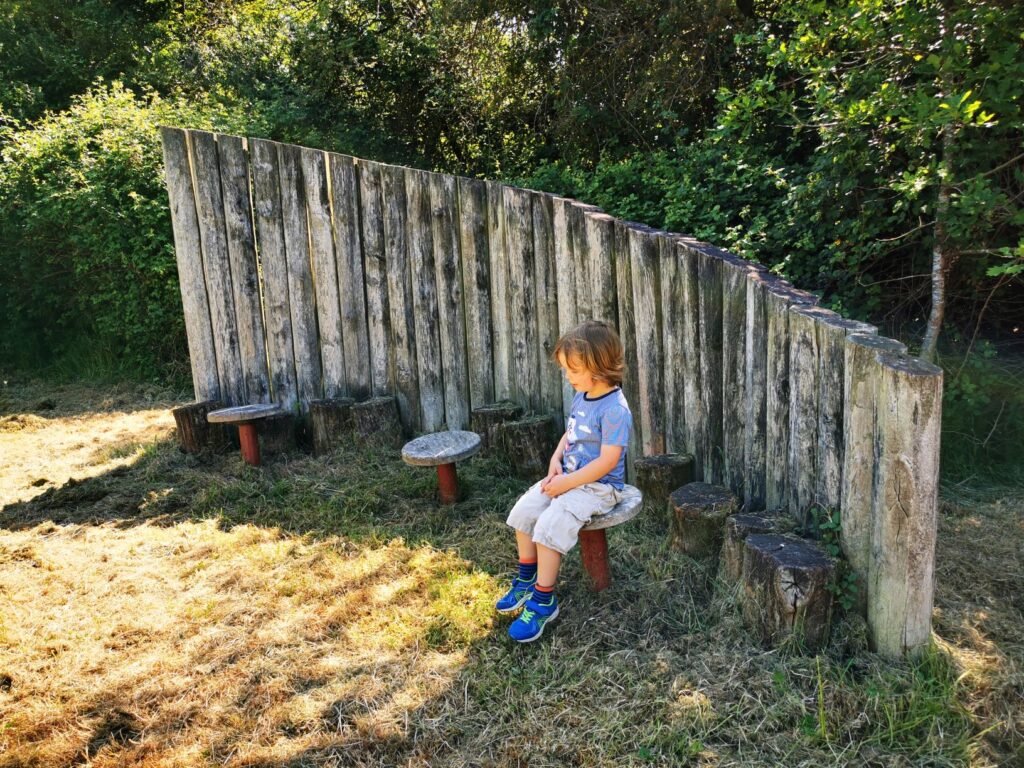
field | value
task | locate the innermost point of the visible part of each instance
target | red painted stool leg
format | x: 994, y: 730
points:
x: 448, y: 483
x: 250, y: 443
x: 594, y: 549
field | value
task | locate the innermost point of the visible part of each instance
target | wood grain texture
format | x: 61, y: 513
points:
x: 600, y: 238
x: 779, y: 297
x: 551, y: 400
x: 217, y: 265
x: 448, y: 274
x: 644, y: 255
x: 325, y: 271
x: 378, y: 310
x: 400, y: 300
x: 672, y: 317
x: 352, y: 283
x: 501, y: 323
x: 627, y: 333
x: 476, y: 285
x: 266, y: 186
x: 189, y: 257
x: 302, y: 299
x: 424, y: 295
x: 522, y: 298
x: 901, y: 572
x: 241, y: 243
x: 861, y: 378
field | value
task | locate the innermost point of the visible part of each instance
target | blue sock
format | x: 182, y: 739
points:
x: 543, y: 595
x: 527, y: 571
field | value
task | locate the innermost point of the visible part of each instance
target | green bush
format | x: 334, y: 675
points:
x: 87, y: 266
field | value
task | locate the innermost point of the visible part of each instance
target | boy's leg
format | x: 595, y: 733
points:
x: 523, y: 519
x: 548, y: 563
x: 527, y: 549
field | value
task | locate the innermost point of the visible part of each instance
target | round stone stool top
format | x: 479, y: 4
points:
x: 627, y: 508
x: 441, y: 448
x: 240, y: 414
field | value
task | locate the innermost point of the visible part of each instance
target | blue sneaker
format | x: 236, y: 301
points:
x: 531, y: 622
x: 516, y: 596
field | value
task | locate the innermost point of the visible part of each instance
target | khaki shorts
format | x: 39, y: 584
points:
x: 555, y: 523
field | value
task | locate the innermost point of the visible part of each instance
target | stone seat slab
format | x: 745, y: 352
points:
x: 242, y: 413
x: 441, y: 448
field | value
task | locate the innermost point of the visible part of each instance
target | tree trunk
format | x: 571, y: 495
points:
x: 943, y: 254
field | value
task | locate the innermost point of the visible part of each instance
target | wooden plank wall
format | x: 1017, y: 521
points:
x: 307, y: 274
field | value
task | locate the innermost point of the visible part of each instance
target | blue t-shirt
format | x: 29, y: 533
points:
x: 605, y: 420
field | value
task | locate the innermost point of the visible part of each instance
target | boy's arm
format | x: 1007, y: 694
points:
x: 590, y: 473
x: 555, y: 465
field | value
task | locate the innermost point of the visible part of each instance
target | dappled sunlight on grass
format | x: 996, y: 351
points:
x: 247, y: 642
x: 190, y: 610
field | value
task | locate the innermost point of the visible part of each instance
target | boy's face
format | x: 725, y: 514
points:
x: 576, y: 374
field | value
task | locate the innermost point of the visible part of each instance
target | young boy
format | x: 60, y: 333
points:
x: 585, y: 476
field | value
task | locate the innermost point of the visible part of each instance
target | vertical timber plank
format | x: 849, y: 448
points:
x: 734, y: 380
x: 448, y: 273
x: 565, y: 282
x: 424, y: 294
x: 756, y: 390
x: 582, y: 250
x: 522, y: 298
x: 403, y: 330
x: 901, y: 578
x: 547, y: 305
x: 696, y: 421
x: 501, y: 327
x: 709, y: 302
x: 266, y: 191
x: 352, y: 283
x: 217, y: 265
x: 302, y: 300
x: 241, y: 242
x: 627, y: 333
x: 476, y: 281
x: 779, y: 296
x: 672, y: 319
x: 325, y: 270
x: 643, y: 251
x: 861, y: 375
x: 378, y: 309
x: 189, y: 257
x: 600, y: 238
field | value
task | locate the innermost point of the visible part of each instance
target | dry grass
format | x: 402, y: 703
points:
x: 167, y: 610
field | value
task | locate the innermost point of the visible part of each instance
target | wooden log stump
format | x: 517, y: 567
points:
x: 527, y: 444
x: 277, y: 433
x: 194, y: 432
x: 901, y: 571
x: 331, y: 422
x: 785, y: 590
x: 375, y: 422
x: 737, y: 529
x: 486, y: 421
x: 657, y: 476
x: 699, y: 511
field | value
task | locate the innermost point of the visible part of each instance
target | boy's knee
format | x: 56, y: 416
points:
x: 528, y: 509
x: 557, y: 529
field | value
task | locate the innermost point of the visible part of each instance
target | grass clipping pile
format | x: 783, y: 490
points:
x: 159, y: 609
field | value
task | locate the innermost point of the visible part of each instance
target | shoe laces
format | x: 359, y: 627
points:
x: 527, y: 615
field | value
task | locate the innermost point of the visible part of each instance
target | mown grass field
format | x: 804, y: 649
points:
x: 158, y: 609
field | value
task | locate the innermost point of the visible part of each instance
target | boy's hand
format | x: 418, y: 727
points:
x: 557, y: 485
x: 554, y: 469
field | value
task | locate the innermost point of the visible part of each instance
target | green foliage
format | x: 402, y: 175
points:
x: 827, y: 528
x: 86, y: 254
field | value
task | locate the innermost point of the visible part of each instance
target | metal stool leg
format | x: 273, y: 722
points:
x: 594, y: 550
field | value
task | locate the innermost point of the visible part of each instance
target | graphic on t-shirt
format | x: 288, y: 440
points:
x: 606, y: 421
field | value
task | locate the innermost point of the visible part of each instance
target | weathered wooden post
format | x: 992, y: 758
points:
x: 375, y: 421
x: 486, y: 421
x: 861, y: 375
x: 476, y: 282
x: 194, y: 431
x: 331, y: 420
x: 528, y: 445
x: 901, y: 571
x: 737, y: 529
x: 699, y: 511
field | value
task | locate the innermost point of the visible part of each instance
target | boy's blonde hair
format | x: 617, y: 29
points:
x: 597, y: 347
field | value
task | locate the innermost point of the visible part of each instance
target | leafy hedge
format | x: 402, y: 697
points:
x: 87, y: 267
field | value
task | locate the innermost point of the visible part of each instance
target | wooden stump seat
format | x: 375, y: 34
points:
x: 699, y: 511
x: 594, y: 541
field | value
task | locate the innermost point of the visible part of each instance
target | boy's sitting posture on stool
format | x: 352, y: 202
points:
x: 585, y: 475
